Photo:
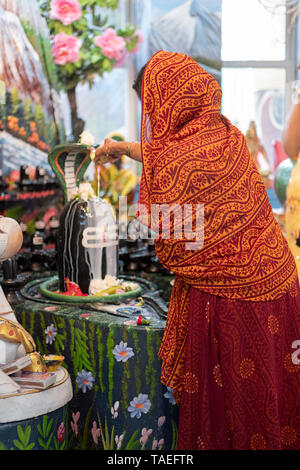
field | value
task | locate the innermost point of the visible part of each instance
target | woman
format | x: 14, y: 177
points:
x: 233, y: 313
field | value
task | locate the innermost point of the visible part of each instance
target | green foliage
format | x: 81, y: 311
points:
x: 61, y: 336
x: 47, y: 436
x: 24, y: 438
x: 133, y: 443
x: 108, y: 441
x: 39, y: 119
x: 14, y: 212
x: 43, y: 47
x: 30, y: 227
x: 81, y: 354
x: 93, y: 22
x: 27, y: 111
x: 15, y: 101
x: 174, y: 436
x: 45, y: 432
x: 100, y: 3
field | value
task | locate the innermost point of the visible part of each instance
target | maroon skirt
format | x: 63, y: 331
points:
x: 241, y: 382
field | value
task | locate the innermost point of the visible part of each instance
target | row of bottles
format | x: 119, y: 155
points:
x: 38, y: 252
x: 3, y: 184
x: 41, y: 237
x: 41, y: 181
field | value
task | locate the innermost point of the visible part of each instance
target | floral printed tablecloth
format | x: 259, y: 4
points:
x: 119, y: 401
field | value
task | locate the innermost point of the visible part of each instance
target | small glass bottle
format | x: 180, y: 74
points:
x: 38, y: 257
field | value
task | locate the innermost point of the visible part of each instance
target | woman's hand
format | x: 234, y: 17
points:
x: 110, y: 151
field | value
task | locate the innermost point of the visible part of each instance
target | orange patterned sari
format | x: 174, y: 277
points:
x: 194, y: 155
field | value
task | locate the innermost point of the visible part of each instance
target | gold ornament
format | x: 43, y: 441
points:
x: 13, y: 332
x: 37, y: 363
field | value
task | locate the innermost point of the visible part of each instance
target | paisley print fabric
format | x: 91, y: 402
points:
x: 241, y: 385
x: 193, y: 155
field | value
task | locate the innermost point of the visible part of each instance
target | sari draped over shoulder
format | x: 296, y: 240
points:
x: 194, y: 156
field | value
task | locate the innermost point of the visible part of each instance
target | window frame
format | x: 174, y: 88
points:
x: 289, y: 64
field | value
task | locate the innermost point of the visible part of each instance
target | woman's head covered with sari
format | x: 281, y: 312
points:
x: 194, y: 157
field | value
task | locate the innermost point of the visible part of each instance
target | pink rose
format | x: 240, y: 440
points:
x: 122, y: 58
x: 66, y: 11
x: 111, y: 44
x: 65, y: 49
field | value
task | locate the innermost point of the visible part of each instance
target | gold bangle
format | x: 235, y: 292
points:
x: 128, y: 152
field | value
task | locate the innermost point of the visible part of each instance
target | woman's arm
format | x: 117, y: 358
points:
x: 112, y: 151
x: 291, y: 136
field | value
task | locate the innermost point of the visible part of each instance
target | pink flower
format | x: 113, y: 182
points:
x: 74, y: 424
x: 61, y: 432
x: 145, y: 435
x: 118, y: 441
x: 161, y: 443
x: 65, y: 49
x: 66, y: 11
x: 137, y: 33
x: 111, y: 44
x: 95, y: 432
x: 161, y: 421
x: 121, y: 60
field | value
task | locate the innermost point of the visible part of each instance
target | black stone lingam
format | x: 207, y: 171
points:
x: 85, y: 250
x: 87, y: 245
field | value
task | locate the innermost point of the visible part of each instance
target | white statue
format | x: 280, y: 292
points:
x: 15, y: 341
x: 35, y: 392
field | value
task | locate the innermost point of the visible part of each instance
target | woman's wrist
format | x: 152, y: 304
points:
x: 133, y: 150
x: 128, y: 149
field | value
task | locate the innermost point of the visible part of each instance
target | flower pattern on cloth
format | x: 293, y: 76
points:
x: 85, y: 380
x: 51, y: 332
x: 248, y: 390
x: 122, y: 352
x: 194, y: 155
x: 140, y: 404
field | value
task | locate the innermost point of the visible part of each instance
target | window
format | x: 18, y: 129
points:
x: 251, y: 31
x: 258, y: 66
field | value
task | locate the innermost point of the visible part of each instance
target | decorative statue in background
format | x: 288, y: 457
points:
x: 258, y: 154
x: 16, y: 345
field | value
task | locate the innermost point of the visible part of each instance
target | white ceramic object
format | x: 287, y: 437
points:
x: 19, y: 403
x: 30, y: 403
x: 7, y: 386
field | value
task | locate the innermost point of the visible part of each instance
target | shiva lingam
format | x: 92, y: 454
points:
x: 22, y: 369
x: 87, y: 242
